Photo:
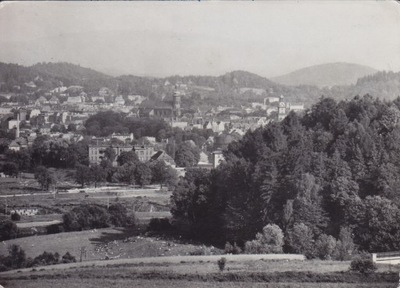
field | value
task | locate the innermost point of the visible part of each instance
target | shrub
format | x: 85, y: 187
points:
x: 202, y: 250
x: 46, y: 258
x: 8, y: 230
x: 15, y: 216
x: 86, y: 217
x: 221, y: 264
x: 160, y: 225
x: 54, y: 229
x: 118, y: 215
x: 270, y: 241
x: 325, y: 246
x: 345, y: 246
x: 365, y: 266
x: 68, y: 258
x: 92, y: 216
x: 232, y: 249
x: 16, y: 257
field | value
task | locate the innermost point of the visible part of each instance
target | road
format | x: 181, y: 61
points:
x: 122, y: 192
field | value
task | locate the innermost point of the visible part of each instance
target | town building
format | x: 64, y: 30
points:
x: 96, y: 151
x: 217, y: 158
x: 163, y: 156
x: 123, y: 137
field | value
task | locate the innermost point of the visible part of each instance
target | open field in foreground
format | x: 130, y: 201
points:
x: 196, y: 274
x: 124, y: 283
x: 199, y: 271
x: 99, y: 244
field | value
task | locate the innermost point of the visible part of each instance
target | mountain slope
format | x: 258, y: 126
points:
x: 67, y: 70
x: 383, y: 85
x: 331, y: 74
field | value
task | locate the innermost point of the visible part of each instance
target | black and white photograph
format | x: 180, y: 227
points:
x: 200, y: 144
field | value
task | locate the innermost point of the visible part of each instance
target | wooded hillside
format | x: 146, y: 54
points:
x: 335, y: 168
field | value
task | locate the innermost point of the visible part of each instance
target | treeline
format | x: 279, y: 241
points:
x: 109, y: 122
x: 79, y: 218
x: 85, y: 217
x: 334, y: 169
x: 61, y: 153
x: 45, y: 151
x: 17, y: 259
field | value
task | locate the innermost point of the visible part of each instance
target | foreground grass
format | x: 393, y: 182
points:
x: 201, y: 272
x: 99, y: 244
x: 125, y: 283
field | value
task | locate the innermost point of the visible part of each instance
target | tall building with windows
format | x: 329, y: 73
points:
x: 177, y: 104
x: 281, y: 109
x: 96, y: 152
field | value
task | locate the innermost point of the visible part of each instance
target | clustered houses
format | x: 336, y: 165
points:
x: 62, y: 112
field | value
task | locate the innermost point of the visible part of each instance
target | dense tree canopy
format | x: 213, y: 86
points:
x: 337, y: 167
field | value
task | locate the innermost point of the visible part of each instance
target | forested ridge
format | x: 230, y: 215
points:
x: 334, y: 169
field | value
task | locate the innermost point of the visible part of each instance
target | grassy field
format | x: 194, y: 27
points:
x: 181, y: 271
x: 128, y: 283
x: 99, y: 244
x: 166, y: 271
x: 193, y: 275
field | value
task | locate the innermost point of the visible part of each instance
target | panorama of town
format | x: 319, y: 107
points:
x: 237, y: 145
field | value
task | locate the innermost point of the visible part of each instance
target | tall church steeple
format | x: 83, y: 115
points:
x: 17, y: 132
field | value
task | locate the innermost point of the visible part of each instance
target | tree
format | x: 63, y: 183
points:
x: 77, y: 154
x: 187, y: 155
x: 307, y: 206
x: 17, y: 257
x: 86, y: 217
x: 11, y: 169
x: 119, y: 216
x: 46, y: 258
x: 301, y: 240
x: 269, y: 241
x: 109, y: 154
x: 98, y: 174
x: 44, y: 177
x: 377, y: 225
x: 83, y: 175
x: 195, y: 206
x: 21, y: 158
x: 125, y: 173
x: 71, y: 127
x: 68, y: 258
x: 127, y: 157
x: 163, y: 174
x: 312, y: 175
x: 8, y: 230
x: 325, y: 246
x: 142, y: 174
x: 345, y: 246
x: 15, y: 216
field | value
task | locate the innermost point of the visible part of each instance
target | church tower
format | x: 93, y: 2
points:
x: 17, y: 132
x: 281, y: 109
x: 177, y: 104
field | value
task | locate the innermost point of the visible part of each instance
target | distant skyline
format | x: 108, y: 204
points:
x: 269, y: 38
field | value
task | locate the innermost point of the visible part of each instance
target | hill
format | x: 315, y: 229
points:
x: 68, y: 71
x: 50, y: 75
x: 383, y: 85
x: 233, y: 88
x: 323, y: 75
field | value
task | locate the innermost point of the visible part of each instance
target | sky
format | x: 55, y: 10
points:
x: 160, y: 39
